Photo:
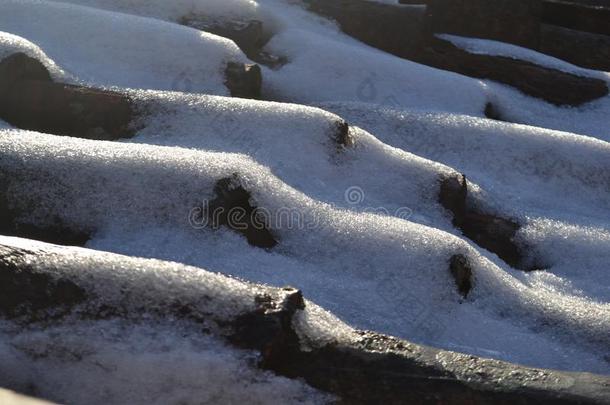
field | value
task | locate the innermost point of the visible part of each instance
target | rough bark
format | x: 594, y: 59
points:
x: 462, y: 274
x: 342, y: 137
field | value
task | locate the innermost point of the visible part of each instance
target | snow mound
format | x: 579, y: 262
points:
x: 111, y: 49
x: 11, y: 44
x: 520, y: 171
x: 354, y: 209
x: 136, y: 199
x: 292, y: 140
x: 326, y: 65
x: 177, y: 9
x: 145, y: 355
x: 352, y: 72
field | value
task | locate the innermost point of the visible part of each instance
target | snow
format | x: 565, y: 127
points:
x: 590, y: 119
x: 153, y: 285
x: 10, y: 44
x: 521, y: 170
x: 141, y: 358
x: 270, y: 133
x: 346, y: 73
x: 111, y: 49
x: 490, y: 47
x: 360, y: 230
x: 163, y: 364
x: 328, y: 66
x: 177, y: 9
x: 525, y: 166
x: 11, y: 398
x: 323, y: 64
x: 119, y: 191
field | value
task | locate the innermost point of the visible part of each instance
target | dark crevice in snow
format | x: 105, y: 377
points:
x: 492, y: 112
x: 462, y: 274
x: 490, y: 232
x: 244, y: 80
x: 233, y: 208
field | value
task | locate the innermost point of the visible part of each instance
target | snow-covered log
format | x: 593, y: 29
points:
x: 53, y: 287
x: 30, y: 99
x: 403, y: 31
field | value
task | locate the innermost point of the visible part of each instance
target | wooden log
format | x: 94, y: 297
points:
x: 584, y: 49
x: 59, y: 210
x: 397, y: 30
x: 63, y: 109
x: 554, y: 86
x: 244, y: 80
x: 20, y: 66
x: 402, y: 32
x: 576, y: 16
x: 491, y: 232
x: 249, y: 35
x: 232, y: 208
x: 362, y: 368
x: 30, y: 100
x: 513, y: 21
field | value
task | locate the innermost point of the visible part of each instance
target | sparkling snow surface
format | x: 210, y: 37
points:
x: 362, y: 233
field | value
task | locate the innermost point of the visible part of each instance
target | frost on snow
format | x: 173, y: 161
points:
x: 347, y: 183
